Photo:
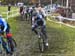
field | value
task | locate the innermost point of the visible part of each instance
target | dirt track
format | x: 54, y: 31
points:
x: 26, y: 41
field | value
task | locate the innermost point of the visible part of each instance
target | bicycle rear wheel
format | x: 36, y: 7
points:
x: 12, y: 45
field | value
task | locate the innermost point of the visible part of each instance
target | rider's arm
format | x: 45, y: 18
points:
x: 44, y: 14
x: 33, y: 20
x: 5, y: 25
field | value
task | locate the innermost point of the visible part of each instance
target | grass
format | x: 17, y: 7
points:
x: 13, y: 24
x: 4, y: 9
x: 61, y: 39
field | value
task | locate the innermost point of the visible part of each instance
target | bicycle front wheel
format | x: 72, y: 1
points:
x: 41, y: 44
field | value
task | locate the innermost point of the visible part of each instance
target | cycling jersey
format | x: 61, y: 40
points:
x: 38, y: 20
x: 4, y: 25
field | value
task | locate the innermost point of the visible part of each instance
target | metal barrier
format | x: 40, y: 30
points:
x: 11, y: 13
x: 60, y: 18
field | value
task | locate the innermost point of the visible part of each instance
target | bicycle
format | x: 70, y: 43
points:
x: 41, y: 40
x: 3, y: 44
x: 8, y: 44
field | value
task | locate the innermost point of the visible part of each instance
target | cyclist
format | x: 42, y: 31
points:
x: 33, y: 11
x: 28, y: 10
x: 21, y: 10
x: 5, y: 28
x: 38, y: 19
x: 25, y: 12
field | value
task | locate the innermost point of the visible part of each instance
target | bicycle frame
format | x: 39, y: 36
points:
x: 41, y: 39
x: 4, y: 44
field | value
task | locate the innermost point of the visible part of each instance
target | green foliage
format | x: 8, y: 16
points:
x: 26, y: 2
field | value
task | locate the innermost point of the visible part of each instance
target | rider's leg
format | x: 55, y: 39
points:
x: 4, y: 44
x: 45, y: 34
x: 25, y: 16
x: 31, y: 18
x: 34, y: 29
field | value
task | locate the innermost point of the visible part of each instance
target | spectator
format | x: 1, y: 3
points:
x: 21, y: 10
x: 9, y: 7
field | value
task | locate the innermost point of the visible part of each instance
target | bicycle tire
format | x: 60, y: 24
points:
x: 41, y: 44
x: 14, y: 42
x: 12, y: 45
